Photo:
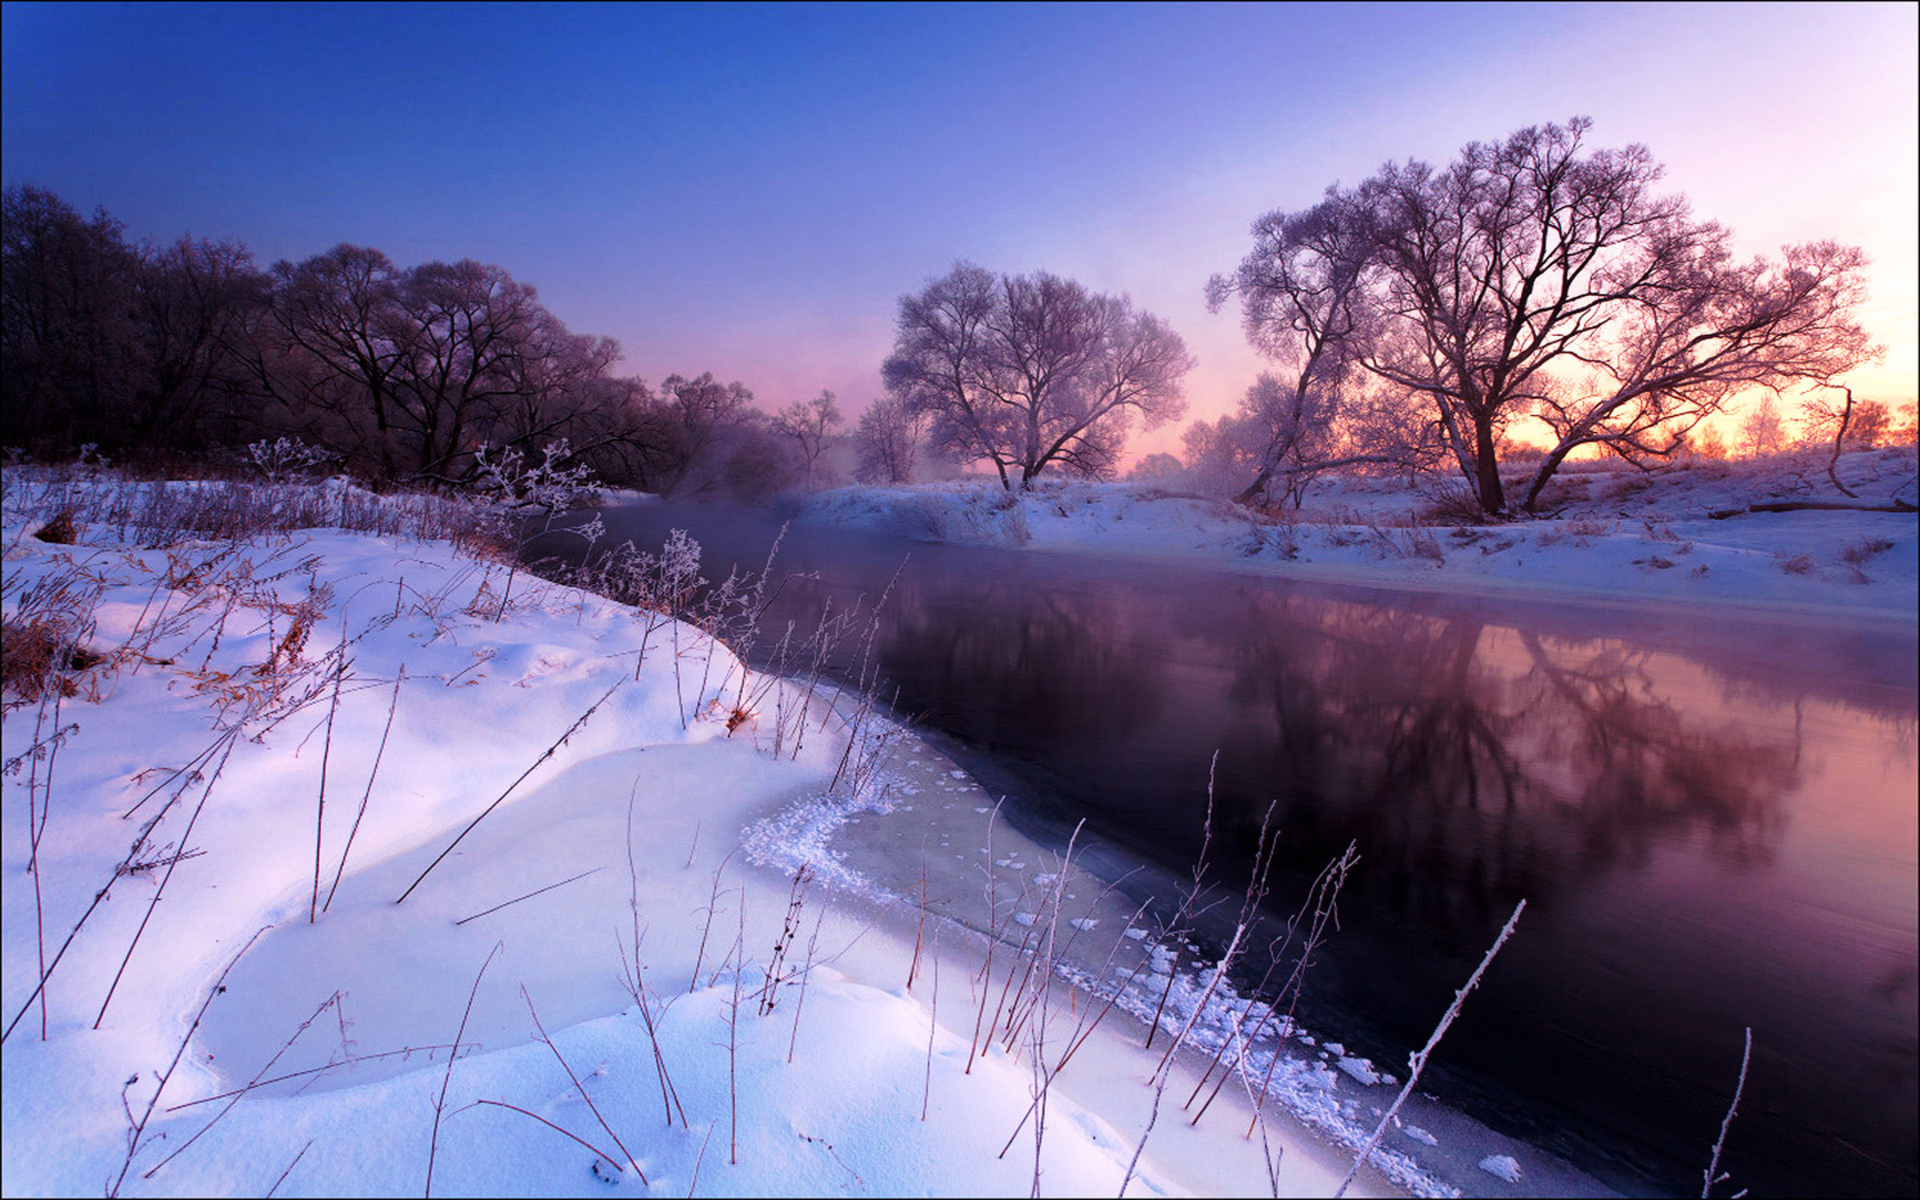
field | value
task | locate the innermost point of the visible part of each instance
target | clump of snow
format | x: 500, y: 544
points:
x: 1501, y: 1166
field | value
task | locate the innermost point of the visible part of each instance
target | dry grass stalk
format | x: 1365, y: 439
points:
x: 1713, y: 1174
x: 165, y: 879
x: 330, y: 1002
x: 713, y: 907
x: 393, y: 703
x: 1418, y: 1061
x: 404, y: 1052
x: 530, y: 895
x: 440, y: 1102
x: 1176, y: 930
x: 789, y: 930
x: 733, y: 1038
x: 138, y: 1126
x: 326, y: 758
x: 578, y: 1087
x: 501, y: 798
x: 39, y: 804
x: 633, y: 976
x: 1322, y: 897
x: 560, y: 1129
x: 933, y: 1027
x: 125, y: 867
x: 806, y: 973
x: 289, y: 1170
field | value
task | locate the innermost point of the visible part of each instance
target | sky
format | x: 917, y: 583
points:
x: 749, y: 190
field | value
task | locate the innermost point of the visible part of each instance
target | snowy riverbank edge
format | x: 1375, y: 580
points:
x: 1617, y: 535
x: 292, y: 728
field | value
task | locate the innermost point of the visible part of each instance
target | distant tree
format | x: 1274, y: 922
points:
x: 198, y: 305
x: 1763, y: 431
x: 1905, y: 429
x: 1032, y: 371
x: 1159, y: 468
x: 704, y: 438
x: 810, y: 425
x: 887, y: 441
x: 1709, y: 445
x: 70, y: 348
x: 1532, y: 278
x: 1222, y: 455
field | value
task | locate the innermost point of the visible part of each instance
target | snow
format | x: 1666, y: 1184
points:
x: 629, y: 880
x: 1613, y: 533
x: 765, y: 983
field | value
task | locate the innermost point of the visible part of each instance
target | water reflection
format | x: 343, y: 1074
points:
x: 1713, y: 821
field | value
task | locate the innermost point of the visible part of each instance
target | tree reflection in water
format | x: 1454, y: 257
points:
x: 1712, y: 822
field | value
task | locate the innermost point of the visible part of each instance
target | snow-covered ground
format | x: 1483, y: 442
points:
x: 296, y: 813
x: 256, y: 746
x: 1613, y: 532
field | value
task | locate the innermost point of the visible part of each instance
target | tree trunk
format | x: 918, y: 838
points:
x: 1493, y: 497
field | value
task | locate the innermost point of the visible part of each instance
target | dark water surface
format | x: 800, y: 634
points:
x: 1712, y: 819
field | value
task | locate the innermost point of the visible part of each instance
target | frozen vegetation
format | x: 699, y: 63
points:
x: 342, y: 857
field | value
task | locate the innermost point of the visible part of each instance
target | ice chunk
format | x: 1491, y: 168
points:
x: 1420, y: 1135
x: 1501, y: 1166
x: 1359, y: 1069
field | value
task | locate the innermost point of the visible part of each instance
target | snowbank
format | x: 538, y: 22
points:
x: 1613, y: 533
x: 436, y: 867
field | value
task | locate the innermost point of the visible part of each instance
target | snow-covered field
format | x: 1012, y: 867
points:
x: 1614, y: 532
x: 303, y: 810
x: 297, y: 813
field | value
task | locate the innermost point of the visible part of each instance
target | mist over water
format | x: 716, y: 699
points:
x: 1712, y: 820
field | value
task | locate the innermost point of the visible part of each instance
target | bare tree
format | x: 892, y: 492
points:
x: 1763, y: 432
x: 197, y: 306
x: 67, y: 322
x: 1034, y: 371
x: 1530, y: 278
x: 886, y: 443
x: 1298, y: 293
x: 407, y: 372
x: 703, y: 438
x: 810, y: 424
x: 330, y: 358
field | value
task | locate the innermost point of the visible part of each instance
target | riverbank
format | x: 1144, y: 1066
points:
x: 293, y: 812
x: 1615, y: 534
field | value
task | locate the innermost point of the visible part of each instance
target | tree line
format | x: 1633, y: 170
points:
x: 1416, y: 321
x: 398, y: 375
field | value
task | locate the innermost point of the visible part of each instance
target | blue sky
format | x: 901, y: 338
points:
x: 749, y: 189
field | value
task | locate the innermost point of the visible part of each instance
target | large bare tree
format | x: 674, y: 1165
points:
x: 1535, y: 278
x: 408, y: 372
x: 1033, y: 371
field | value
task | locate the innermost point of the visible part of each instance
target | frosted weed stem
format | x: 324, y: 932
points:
x: 1418, y: 1061
x: 440, y: 1104
x: 1712, y: 1175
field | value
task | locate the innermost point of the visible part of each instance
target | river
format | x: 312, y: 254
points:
x: 1712, y: 819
